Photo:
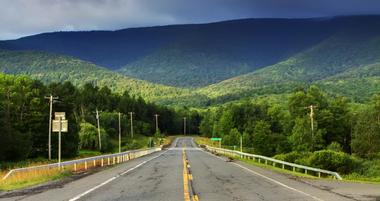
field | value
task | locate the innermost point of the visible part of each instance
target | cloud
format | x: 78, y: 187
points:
x: 25, y: 17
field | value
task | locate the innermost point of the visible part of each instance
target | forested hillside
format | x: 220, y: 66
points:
x: 202, y: 54
x: 24, y: 118
x: 57, y: 68
x: 344, y: 57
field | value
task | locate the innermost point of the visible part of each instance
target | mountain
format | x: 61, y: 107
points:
x: 348, y: 59
x: 58, y: 68
x: 212, y: 63
x: 193, y: 55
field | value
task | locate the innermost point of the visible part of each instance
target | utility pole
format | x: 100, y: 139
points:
x: 119, y: 132
x: 184, y: 125
x: 156, y: 115
x: 99, y: 138
x: 312, y: 107
x: 51, y: 99
x: 241, y: 143
x: 131, y: 114
x: 59, y: 142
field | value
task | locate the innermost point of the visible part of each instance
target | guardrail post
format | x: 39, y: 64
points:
x: 113, y: 160
x: 75, y: 167
x: 108, y: 158
x: 85, y: 165
x: 266, y: 162
x: 319, y: 174
x: 283, y: 166
x: 101, y: 162
x: 305, y: 171
x: 94, y: 162
x: 294, y: 169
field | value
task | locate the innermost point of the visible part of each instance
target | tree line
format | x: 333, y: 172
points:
x: 278, y: 128
x: 24, y: 117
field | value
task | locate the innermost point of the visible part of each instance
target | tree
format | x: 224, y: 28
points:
x: 89, y: 137
x: 366, y: 135
x: 262, y: 139
x: 206, y: 124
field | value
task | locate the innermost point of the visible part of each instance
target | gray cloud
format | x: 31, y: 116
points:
x: 25, y: 17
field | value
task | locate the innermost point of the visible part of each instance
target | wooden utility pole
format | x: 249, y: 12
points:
x: 99, y: 137
x: 156, y: 115
x: 184, y: 125
x: 119, y: 132
x: 312, y: 108
x: 131, y: 115
x: 51, y: 99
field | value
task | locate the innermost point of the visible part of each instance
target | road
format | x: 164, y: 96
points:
x: 185, y: 172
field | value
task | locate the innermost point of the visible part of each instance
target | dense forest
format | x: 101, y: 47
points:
x: 24, y: 117
x: 334, y: 137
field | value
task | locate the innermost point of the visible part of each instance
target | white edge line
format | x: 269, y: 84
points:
x: 270, y: 179
x: 113, y: 178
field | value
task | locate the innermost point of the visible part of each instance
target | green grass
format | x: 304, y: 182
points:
x: 13, y: 184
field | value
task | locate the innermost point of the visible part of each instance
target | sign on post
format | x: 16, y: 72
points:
x: 216, y: 139
x: 64, y: 126
x: 60, y: 118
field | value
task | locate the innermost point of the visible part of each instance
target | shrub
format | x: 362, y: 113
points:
x: 294, y: 157
x: 333, y: 161
x: 335, y: 146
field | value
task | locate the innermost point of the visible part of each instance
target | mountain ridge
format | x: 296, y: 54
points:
x: 209, y: 53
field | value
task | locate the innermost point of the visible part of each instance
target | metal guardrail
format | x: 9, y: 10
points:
x: 108, y: 159
x: 274, y: 162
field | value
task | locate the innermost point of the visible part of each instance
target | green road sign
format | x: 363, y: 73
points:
x: 216, y: 139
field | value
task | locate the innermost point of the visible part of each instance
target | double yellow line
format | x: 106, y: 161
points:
x: 186, y: 178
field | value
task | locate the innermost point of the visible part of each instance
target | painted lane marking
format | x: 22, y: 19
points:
x: 113, y: 178
x: 186, y: 194
x: 270, y: 179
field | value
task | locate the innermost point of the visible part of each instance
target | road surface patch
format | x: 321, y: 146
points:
x: 113, y: 178
x: 268, y: 178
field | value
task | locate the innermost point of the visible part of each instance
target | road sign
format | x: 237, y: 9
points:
x: 64, y: 126
x: 216, y: 139
x: 57, y: 115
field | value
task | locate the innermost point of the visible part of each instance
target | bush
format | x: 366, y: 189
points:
x: 335, y: 146
x: 294, y: 157
x: 333, y: 161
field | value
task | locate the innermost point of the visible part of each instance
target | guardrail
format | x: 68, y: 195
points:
x: 274, y: 162
x: 85, y: 163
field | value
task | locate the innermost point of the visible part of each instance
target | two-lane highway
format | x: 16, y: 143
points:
x: 165, y: 176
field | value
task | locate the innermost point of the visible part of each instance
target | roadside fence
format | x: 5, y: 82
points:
x: 276, y: 163
x: 80, y: 164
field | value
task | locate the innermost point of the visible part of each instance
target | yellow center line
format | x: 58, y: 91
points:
x: 186, y: 193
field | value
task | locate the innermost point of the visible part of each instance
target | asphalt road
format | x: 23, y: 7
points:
x: 185, y: 172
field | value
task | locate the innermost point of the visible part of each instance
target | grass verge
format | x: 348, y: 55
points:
x: 32, y: 179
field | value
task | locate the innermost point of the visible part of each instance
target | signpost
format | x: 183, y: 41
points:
x: 60, y: 124
x: 217, y: 139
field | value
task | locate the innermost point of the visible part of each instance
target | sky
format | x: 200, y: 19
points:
x: 27, y: 17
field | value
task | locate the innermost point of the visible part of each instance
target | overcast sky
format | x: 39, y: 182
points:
x: 26, y: 17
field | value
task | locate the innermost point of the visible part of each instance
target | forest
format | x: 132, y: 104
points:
x: 341, y: 135
x: 24, y: 118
